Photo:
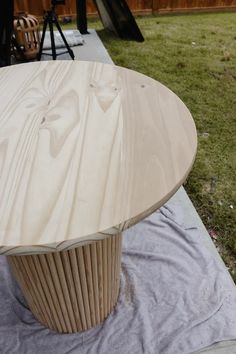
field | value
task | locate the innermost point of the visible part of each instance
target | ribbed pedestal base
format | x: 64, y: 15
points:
x: 73, y: 290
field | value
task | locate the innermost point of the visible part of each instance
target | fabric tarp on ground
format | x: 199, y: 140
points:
x: 73, y: 38
x: 175, y: 298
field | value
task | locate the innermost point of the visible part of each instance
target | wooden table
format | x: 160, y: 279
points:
x: 86, y: 151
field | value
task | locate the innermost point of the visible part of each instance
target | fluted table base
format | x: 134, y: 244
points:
x: 74, y: 290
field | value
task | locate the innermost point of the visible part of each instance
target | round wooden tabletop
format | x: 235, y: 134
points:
x: 86, y: 150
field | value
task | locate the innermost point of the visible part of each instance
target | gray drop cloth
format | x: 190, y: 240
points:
x: 175, y: 298
x: 73, y: 38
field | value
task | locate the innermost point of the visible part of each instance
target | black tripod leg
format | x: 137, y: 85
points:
x: 70, y: 51
x: 54, y: 54
x: 81, y: 16
x: 42, y: 39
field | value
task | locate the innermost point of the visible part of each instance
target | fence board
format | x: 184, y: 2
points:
x: 137, y: 6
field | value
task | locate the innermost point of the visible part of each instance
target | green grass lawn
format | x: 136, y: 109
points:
x: 195, y: 56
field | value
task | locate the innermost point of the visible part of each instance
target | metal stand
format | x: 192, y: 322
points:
x: 50, y: 19
x: 81, y: 16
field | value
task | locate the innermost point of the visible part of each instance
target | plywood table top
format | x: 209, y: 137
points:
x: 86, y: 150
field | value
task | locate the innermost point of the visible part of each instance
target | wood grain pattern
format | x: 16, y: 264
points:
x: 60, y: 295
x: 86, y: 151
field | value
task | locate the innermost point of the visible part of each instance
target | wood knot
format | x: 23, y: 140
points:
x: 43, y: 120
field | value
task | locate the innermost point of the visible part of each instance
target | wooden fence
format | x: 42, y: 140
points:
x: 37, y: 7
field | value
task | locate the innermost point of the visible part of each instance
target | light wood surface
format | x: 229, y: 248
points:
x: 86, y: 150
x: 71, y: 291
